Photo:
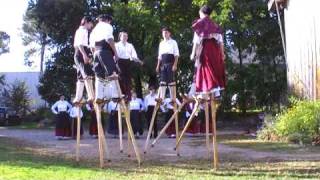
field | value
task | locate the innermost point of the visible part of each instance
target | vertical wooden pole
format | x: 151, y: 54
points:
x: 214, y: 133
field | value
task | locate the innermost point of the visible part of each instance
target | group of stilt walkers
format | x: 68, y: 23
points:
x: 101, y: 70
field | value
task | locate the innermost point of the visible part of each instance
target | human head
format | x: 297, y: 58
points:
x: 205, y: 11
x: 152, y: 89
x: 166, y: 34
x: 134, y: 95
x: 62, y: 97
x: 105, y: 18
x: 87, y: 22
x: 123, y: 36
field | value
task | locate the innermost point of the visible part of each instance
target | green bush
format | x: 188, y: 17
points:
x: 299, y: 123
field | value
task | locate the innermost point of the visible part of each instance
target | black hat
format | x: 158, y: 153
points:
x: 206, y: 10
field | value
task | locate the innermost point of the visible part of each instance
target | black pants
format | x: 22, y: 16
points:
x: 108, y: 67
x: 166, y: 73
x: 148, y: 117
x: 125, y: 77
x: 81, y: 66
x: 136, y: 122
x: 113, y: 127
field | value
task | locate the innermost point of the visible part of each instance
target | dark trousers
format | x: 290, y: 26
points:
x: 81, y: 66
x: 113, y: 127
x: 148, y: 117
x: 104, y: 64
x: 136, y: 122
x: 125, y: 77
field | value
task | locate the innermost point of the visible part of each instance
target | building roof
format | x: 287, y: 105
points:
x: 282, y: 3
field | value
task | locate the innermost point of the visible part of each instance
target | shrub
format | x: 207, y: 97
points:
x: 299, y: 123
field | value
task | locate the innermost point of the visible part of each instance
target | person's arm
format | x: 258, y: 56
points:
x: 196, y: 41
x: 86, y: 58
x: 53, y: 108
x: 134, y: 55
x: 113, y: 47
x: 176, y: 56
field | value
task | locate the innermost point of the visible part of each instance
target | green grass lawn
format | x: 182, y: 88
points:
x: 18, y: 161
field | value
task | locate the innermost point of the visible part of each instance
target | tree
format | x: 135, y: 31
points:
x: 4, y: 42
x: 17, y: 97
x: 46, y: 24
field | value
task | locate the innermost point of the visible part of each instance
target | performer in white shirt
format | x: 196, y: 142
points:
x: 112, y: 108
x: 63, y: 127
x: 82, y: 60
x: 150, y: 103
x: 167, y: 64
x: 127, y: 54
x: 136, y: 107
x: 168, y: 108
x: 105, y: 57
x: 74, y: 115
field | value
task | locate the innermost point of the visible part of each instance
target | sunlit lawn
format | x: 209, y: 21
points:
x: 17, y: 161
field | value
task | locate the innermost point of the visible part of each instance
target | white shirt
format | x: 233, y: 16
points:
x: 112, y: 106
x: 197, y: 39
x: 126, y: 51
x: 102, y: 31
x: 62, y: 106
x: 74, y: 112
x: 169, y: 46
x: 81, y: 37
x: 136, y: 104
x: 150, y: 100
x: 168, y: 105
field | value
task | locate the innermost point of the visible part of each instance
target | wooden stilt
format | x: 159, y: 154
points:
x: 131, y: 134
x: 207, y: 126
x: 129, y: 126
x: 176, y: 119
x: 214, y: 133
x: 188, y: 122
x: 100, y: 141
x: 78, y: 134
x: 168, y: 123
x: 154, y: 113
x: 120, y: 129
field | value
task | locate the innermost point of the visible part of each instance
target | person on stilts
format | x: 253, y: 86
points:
x: 83, y: 60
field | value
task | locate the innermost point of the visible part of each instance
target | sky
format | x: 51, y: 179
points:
x: 11, y: 19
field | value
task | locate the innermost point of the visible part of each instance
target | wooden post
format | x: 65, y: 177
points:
x: 214, y: 133
x: 78, y: 133
x: 100, y: 142
x: 207, y: 126
x: 120, y: 129
x: 188, y: 123
x: 176, y: 119
x: 168, y: 123
x: 154, y: 113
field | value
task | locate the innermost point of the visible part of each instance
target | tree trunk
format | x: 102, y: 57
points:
x: 43, y: 47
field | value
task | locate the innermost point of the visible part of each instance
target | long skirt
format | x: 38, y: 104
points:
x: 171, y: 129
x: 136, y: 121
x: 210, y: 72
x: 93, y: 128
x: 148, y: 117
x: 113, y: 123
x: 125, y: 77
x: 75, y: 126
x: 63, y: 125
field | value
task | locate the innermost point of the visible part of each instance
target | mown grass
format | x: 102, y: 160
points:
x: 242, y: 141
x: 19, y: 161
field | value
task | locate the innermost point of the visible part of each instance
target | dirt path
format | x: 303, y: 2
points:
x: 191, y: 148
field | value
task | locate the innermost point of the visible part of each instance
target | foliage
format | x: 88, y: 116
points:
x: 299, y: 123
x: 16, y: 96
x: 4, y: 42
x: 250, y: 33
